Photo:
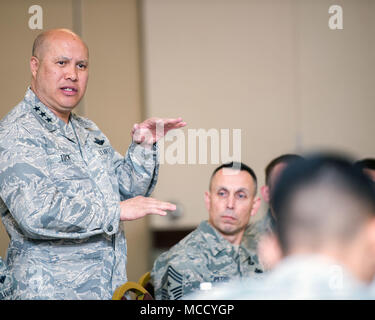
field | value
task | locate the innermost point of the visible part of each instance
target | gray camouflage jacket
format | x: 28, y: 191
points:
x: 256, y: 230
x: 60, y: 189
x: 202, y: 256
x: 6, y: 282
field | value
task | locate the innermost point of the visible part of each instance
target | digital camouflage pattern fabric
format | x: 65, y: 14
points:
x: 202, y: 256
x: 296, y: 277
x: 256, y: 230
x: 6, y: 282
x: 61, y: 185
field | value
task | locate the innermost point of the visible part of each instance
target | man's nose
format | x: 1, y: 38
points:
x: 71, y: 73
x: 230, y: 201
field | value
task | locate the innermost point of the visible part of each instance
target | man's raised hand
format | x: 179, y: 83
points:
x: 151, y: 130
x: 138, y: 207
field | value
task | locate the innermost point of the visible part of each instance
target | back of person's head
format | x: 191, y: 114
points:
x: 321, y: 200
x: 284, y: 158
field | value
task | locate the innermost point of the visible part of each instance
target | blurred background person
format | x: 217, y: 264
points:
x: 258, y: 236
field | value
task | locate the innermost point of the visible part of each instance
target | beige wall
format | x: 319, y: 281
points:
x: 335, y: 77
x: 113, y: 97
x: 268, y: 67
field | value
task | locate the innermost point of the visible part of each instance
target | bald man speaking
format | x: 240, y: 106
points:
x: 64, y: 189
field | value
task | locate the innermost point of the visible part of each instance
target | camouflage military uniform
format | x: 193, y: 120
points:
x: 61, y: 186
x: 304, y: 276
x: 254, y: 232
x: 6, y: 282
x: 202, y: 256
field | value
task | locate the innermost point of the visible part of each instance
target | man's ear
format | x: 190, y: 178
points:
x: 265, y: 192
x: 34, y: 65
x: 256, y: 205
x: 207, y: 200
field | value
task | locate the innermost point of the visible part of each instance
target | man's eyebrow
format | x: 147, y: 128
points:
x: 63, y: 58
x: 237, y: 190
x: 70, y: 59
x: 221, y: 187
x: 246, y: 190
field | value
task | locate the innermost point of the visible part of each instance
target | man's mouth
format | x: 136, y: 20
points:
x: 229, y: 218
x: 69, y: 90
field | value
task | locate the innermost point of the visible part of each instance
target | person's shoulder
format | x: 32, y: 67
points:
x: 183, y: 248
x: 18, y: 124
x: 16, y: 114
x: 192, y: 243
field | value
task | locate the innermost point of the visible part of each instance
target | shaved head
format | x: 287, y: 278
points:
x: 59, y: 69
x: 42, y: 41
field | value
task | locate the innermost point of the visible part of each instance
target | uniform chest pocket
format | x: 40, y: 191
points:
x: 69, y: 175
x: 102, y: 152
x: 65, y: 166
x: 101, y: 157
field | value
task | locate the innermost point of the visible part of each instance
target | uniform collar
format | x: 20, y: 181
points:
x: 217, y: 243
x: 53, y: 123
x: 43, y: 114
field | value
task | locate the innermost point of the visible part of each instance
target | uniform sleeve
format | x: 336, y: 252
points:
x: 45, y: 208
x: 137, y: 172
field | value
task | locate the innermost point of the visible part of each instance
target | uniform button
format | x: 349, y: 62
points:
x: 110, y: 228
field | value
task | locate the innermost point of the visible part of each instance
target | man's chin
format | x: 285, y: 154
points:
x: 228, y: 230
x: 68, y: 107
x: 69, y: 104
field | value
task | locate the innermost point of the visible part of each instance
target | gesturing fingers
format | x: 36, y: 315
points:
x: 173, y: 123
x: 139, y: 207
x: 152, y: 129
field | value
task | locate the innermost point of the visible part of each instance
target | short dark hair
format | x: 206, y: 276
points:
x: 285, y: 158
x: 335, y: 199
x: 367, y: 163
x: 236, y: 166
